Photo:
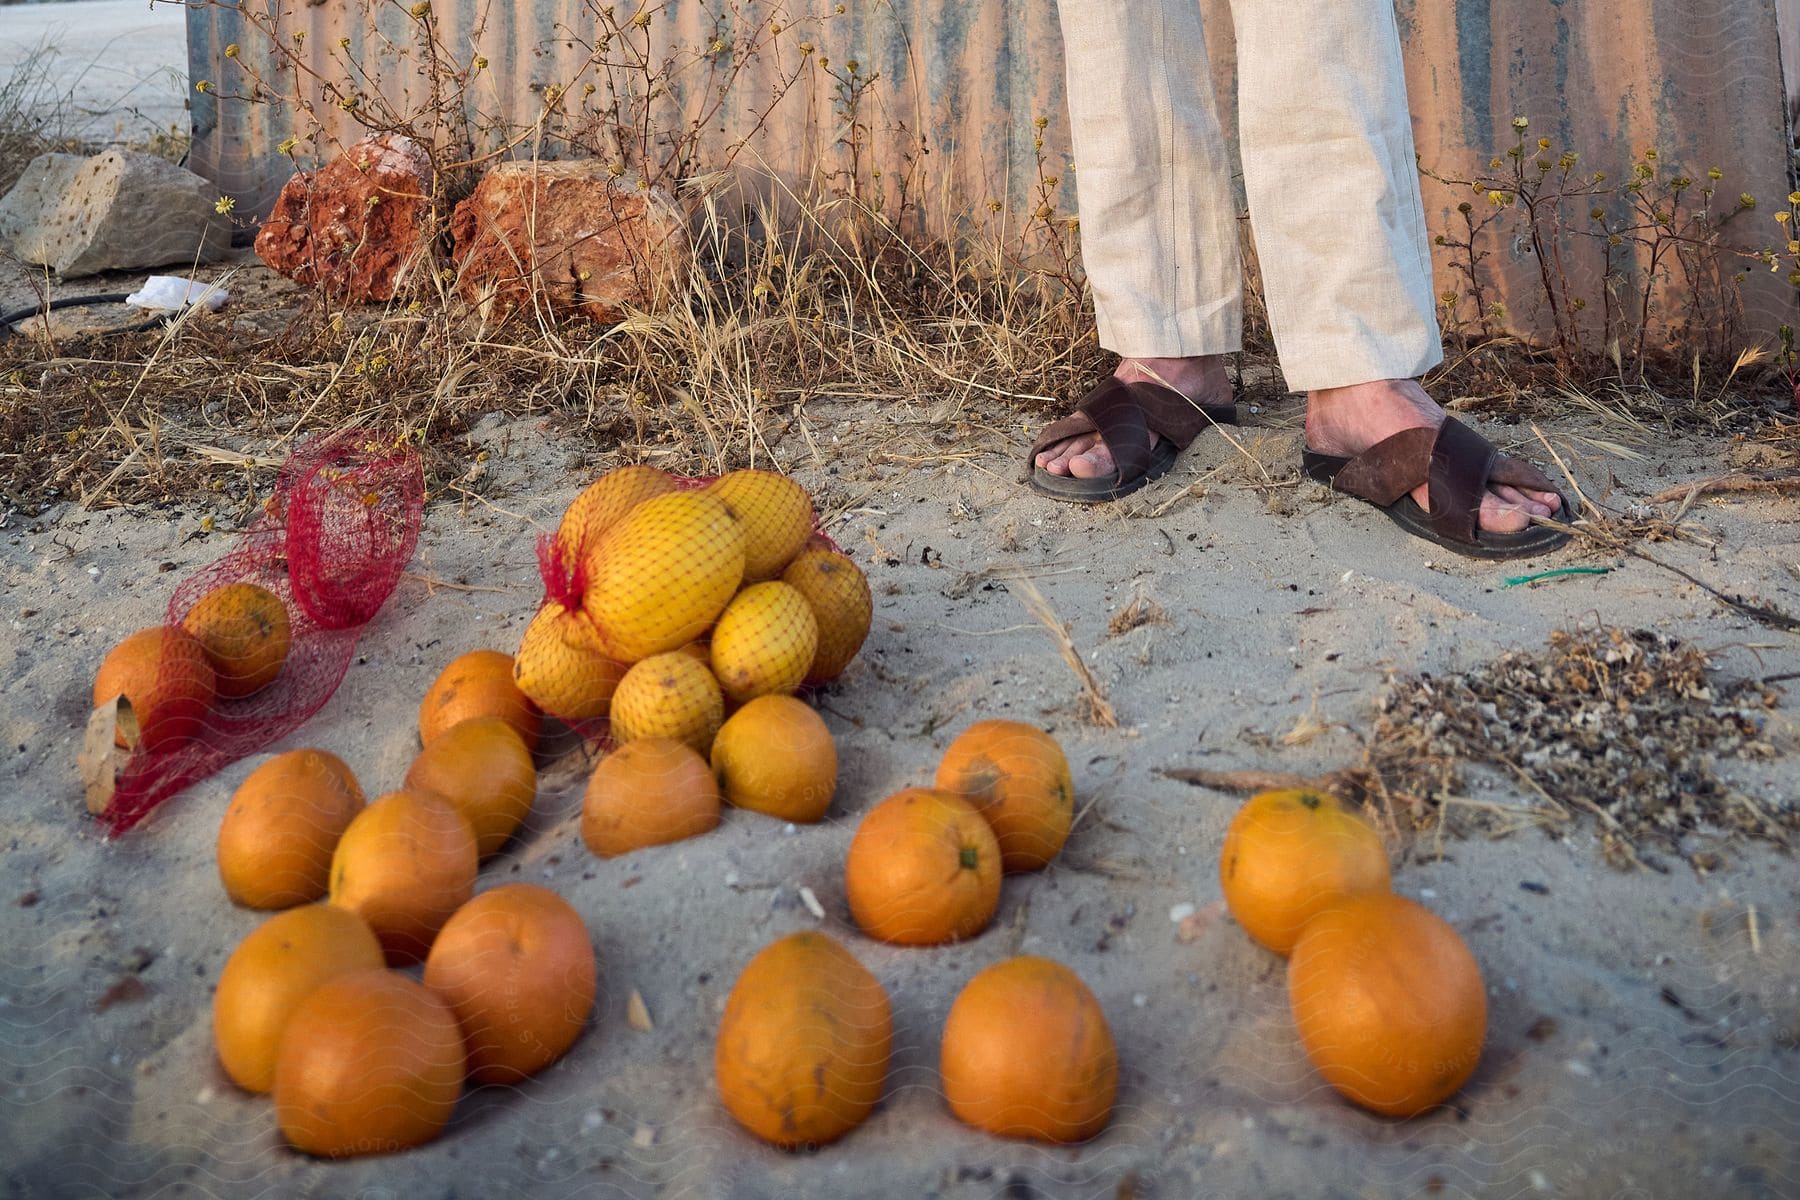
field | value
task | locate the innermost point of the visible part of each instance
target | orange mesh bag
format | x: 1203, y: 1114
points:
x: 667, y: 597
x: 257, y: 642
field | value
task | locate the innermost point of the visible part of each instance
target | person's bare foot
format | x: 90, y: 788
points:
x: 1348, y: 420
x: 1199, y: 379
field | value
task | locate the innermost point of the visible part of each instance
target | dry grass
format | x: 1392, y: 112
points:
x: 837, y: 308
x: 768, y: 329
x: 34, y: 111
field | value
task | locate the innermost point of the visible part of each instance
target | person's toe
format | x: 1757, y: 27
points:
x: 1499, y: 514
x: 1533, y: 503
x: 1056, y: 460
x: 1094, y: 463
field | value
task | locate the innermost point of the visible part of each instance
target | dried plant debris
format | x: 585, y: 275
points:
x: 1627, y: 725
x: 1140, y: 611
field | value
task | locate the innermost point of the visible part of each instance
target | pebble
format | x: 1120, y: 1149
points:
x: 1138, y: 1000
x: 1180, y: 912
x: 1576, y: 1067
x: 1428, y: 893
x: 593, y: 1120
x: 644, y: 1136
x: 1534, y: 887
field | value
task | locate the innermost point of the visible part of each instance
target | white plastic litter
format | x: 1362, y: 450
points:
x: 172, y: 292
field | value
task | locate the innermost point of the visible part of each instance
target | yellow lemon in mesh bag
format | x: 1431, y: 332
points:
x: 777, y: 515
x: 764, y: 642
x: 671, y: 695
x: 839, y: 596
x: 663, y: 574
x: 561, y: 668
x: 604, y: 504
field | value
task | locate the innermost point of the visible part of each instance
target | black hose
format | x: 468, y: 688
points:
x: 8, y: 320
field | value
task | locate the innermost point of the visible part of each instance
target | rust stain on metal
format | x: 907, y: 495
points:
x: 949, y: 118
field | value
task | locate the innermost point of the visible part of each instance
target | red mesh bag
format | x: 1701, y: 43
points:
x: 662, y: 609
x: 329, y: 546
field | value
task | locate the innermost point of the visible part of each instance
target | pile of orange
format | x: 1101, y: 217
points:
x: 165, y: 679
x: 361, y: 1057
x: 669, y: 604
x: 1026, y: 1052
x: 1388, y: 1001
x: 687, y: 619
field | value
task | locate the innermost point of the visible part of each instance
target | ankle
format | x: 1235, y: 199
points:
x: 1196, y: 377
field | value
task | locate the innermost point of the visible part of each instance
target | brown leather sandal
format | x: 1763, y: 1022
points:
x: 1458, y: 464
x: 1125, y: 415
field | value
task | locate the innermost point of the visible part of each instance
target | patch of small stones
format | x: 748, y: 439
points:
x: 1628, y: 725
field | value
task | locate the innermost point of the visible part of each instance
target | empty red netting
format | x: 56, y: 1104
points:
x: 330, y: 544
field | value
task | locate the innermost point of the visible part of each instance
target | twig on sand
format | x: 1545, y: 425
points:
x: 1598, y: 532
x: 432, y: 583
x: 1761, y: 482
x: 1099, y: 709
x: 1249, y: 781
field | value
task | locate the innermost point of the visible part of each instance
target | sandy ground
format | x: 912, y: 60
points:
x: 119, y: 66
x: 1640, y: 1044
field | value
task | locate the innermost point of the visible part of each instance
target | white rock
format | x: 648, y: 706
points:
x: 120, y: 210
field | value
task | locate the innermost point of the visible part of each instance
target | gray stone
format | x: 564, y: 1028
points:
x: 116, y: 211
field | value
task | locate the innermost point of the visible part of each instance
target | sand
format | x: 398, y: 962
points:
x: 1642, y: 1039
x: 1641, y: 1044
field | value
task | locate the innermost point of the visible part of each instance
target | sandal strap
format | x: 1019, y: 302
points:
x: 1124, y: 415
x: 1456, y: 463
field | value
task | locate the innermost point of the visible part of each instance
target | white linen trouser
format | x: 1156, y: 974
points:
x: 1329, y: 169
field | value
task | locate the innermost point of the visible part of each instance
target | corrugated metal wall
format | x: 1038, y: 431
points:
x: 958, y: 88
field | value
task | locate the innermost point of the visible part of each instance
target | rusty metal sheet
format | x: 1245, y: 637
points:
x: 950, y: 117
x: 949, y: 111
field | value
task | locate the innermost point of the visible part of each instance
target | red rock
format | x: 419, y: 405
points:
x: 565, y: 233
x: 361, y: 225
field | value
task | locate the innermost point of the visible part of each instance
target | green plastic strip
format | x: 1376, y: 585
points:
x: 1558, y: 572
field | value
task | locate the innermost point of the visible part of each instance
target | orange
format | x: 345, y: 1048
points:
x: 478, y: 684
x: 560, y: 667
x: 275, y: 967
x: 483, y: 769
x: 776, y: 513
x: 663, y: 574
x: 646, y: 793
x: 842, y: 604
x: 167, y: 684
x: 1291, y: 854
x: 803, y: 1044
x: 1016, y: 775
x: 764, y: 641
x: 775, y: 756
x: 517, y: 967
x: 923, y: 868
x: 1389, y: 1003
x: 671, y: 695
x: 245, y: 632
x: 604, y: 502
x: 1027, y: 1053
x: 284, y: 821
x: 405, y: 864
x: 371, y: 1062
